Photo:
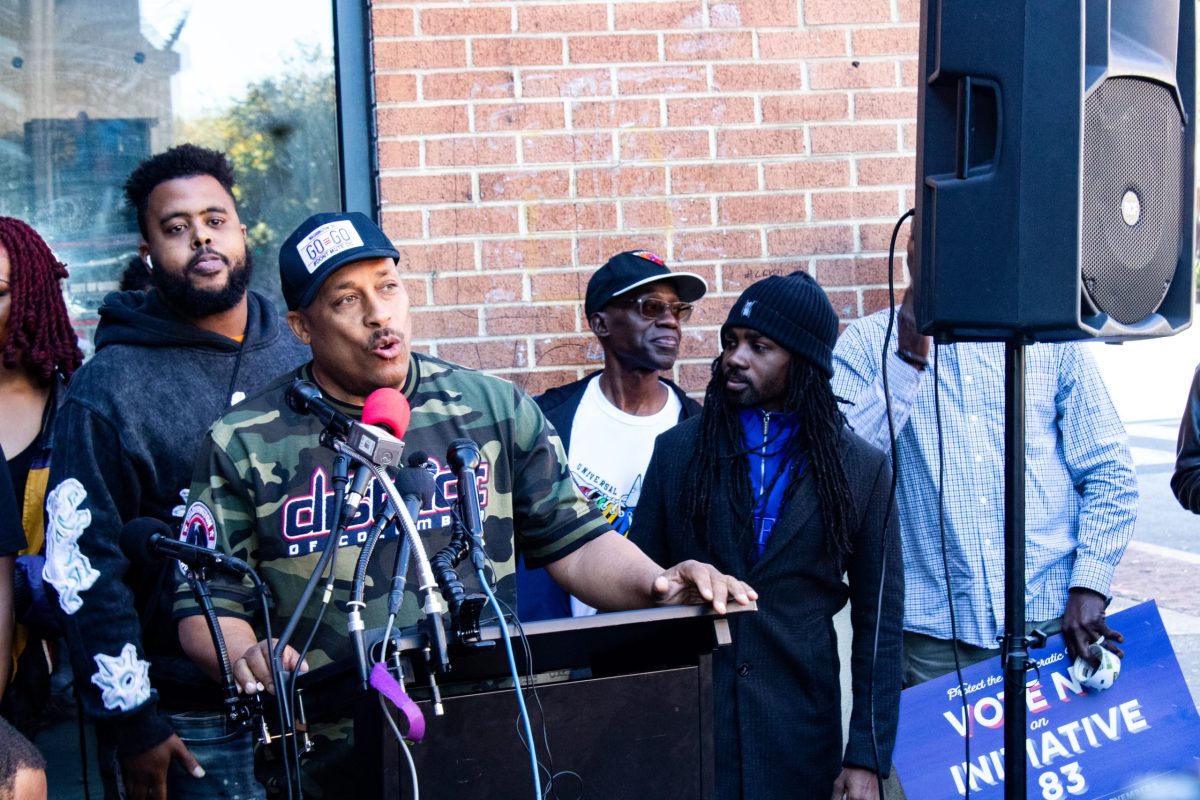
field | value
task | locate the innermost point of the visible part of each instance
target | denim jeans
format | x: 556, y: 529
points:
x: 228, y: 761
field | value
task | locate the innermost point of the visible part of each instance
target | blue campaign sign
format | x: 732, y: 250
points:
x: 1106, y: 745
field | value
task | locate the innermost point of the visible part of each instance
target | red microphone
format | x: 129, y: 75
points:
x: 388, y: 409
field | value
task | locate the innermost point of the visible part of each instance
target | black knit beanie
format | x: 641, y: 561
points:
x: 793, y: 311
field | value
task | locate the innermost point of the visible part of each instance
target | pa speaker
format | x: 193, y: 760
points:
x: 1055, y: 160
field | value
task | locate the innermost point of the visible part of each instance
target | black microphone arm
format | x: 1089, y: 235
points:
x: 195, y: 556
x: 463, y: 457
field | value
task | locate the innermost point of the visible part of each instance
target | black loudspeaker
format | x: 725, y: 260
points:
x: 1055, y: 161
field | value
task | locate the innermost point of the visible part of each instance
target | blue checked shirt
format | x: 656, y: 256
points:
x: 1080, y: 485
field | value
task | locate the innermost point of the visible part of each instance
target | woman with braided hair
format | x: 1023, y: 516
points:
x: 769, y: 483
x: 40, y: 352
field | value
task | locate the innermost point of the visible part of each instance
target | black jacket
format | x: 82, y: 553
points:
x: 538, y: 596
x: 1185, y: 482
x: 125, y: 444
x: 776, y: 692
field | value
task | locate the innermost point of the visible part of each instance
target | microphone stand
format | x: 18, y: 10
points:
x: 234, y: 709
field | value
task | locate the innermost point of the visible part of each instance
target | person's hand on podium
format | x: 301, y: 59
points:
x: 855, y: 783
x: 694, y: 582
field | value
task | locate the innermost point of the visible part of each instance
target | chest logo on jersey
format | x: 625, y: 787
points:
x: 307, y: 519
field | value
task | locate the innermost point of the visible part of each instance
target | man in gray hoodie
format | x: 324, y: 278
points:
x: 168, y: 362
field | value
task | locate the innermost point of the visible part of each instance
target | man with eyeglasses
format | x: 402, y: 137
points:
x: 609, y: 420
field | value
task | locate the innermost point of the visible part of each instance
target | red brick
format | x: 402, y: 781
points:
x: 735, y: 277
x: 698, y: 344
x: 472, y: 150
x: 753, y: 13
x: 797, y: 45
x: 713, y: 178
x: 565, y: 82
x: 845, y: 304
x: 667, y: 145
x: 516, y: 52
x: 411, y: 54
x: 855, y: 271
x: 402, y: 224
x: 721, y: 110
x: 521, y: 116
x: 910, y: 11
x: 392, y: 22
x: 615, y: 114
x: 674, y: 79
x: 876, y: 237
x: 811, y: 240
x: 760, y: 142
x: 490, y: 354
x: 465, y: 21
x: 526, y: 186
x: 711, y: 310
x: 424, y: 189
x: 807, y: 107
x: 659, y: 16
x: 892, y: 170
x: 537, y: 382
x: 716, y: 244
x: 751, y: 209
x: 418, y: 290
x: 809, y: 173
x: 833, y: 12
x: 441, y: 257
x: 909, y: 69
x: 419, y: 119
x: 445, y: 323
x: 612, y: 48
x: 908, y: 136
x: 853, y: 205
x: 571, y: 217
x: 390, y: 88
x: 853, y: 138
x: 553, y: 148
x: 885, y: 105
x: 526, y: 318
x: 885, y: 41
x: 467, y: 85
x: 565, y: 351
x: 758, y: 77
x: 678, y: 213
x: 562, y: 18
x: 398, y: 155
x: 526, y: 252
x: 709, y: 46
x: 620, y: 181
x: 694, y: 377
x: 875, y: 299
x: 851, y: 74
x: 468, y: 289
x: 547, y: 285
x: 592, y: 251
x: 468, y: 221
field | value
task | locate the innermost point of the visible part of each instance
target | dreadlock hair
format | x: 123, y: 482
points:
x: 40, y: 338
x: 814, y: 440
x: 183, y: 161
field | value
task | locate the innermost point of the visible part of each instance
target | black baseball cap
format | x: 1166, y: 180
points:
x: 633, y: 268
x: 321, y: 244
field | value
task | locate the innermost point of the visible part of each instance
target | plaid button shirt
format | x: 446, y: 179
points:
x: 1080, y: 485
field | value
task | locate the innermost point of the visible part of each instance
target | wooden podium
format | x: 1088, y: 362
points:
x: 626, y: 700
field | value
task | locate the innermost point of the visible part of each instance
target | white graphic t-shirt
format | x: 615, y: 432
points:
x: 609, y: 453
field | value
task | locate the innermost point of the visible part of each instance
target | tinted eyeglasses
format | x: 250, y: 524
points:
x: 653, y: 308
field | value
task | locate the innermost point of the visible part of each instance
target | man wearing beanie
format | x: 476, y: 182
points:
x: 261, y: 483
x: 768, y: 482
x: 609, y: 420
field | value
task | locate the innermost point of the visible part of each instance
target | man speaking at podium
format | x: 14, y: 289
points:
x: 261, y: 485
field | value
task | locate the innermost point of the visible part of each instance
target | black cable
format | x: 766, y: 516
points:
x: 887, y: 516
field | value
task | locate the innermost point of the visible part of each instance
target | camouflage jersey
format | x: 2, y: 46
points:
x: 263, y: 491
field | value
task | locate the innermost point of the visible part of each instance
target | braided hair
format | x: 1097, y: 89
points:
x: 813, y: 440
x: 40, y: 338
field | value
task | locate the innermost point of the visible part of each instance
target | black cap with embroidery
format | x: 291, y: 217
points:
x: 794, y: 312
x: 631, y: 269
x: 321, y: 244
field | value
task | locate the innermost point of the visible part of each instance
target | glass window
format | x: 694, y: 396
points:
x: 88, y: 88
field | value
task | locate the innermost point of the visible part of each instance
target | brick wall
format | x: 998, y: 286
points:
x: 522, y: 143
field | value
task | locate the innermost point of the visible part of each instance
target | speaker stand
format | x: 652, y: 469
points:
x: 1016, y: 643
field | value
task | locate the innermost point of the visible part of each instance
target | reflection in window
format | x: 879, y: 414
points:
x: 88, y: 88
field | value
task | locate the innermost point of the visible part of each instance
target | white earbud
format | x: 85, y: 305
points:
x: 149, y: 263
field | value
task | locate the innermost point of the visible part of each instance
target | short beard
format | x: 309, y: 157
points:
x: 179, y: 293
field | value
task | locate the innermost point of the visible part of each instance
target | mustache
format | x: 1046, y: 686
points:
x: 201, y: 254
x: 381, y: 334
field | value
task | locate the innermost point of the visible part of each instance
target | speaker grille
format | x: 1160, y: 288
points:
x: 1132, y: 197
